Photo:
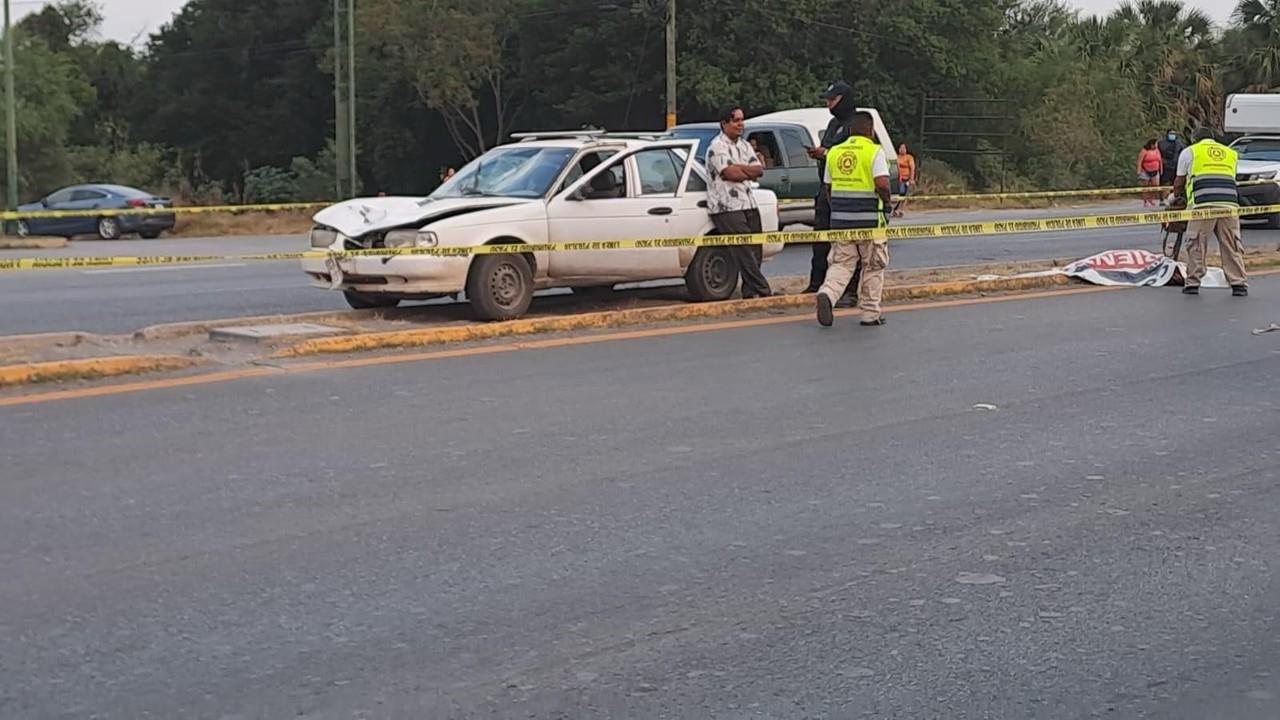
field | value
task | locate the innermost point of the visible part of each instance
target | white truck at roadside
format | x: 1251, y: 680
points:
x: 1257, y: 118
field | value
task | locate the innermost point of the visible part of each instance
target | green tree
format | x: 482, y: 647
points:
x: 458, y: 56
x: 1257, y: 45
x: 238, y: 83
x: 51, y: 93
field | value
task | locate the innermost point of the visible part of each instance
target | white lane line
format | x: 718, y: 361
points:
x: 161, y: 268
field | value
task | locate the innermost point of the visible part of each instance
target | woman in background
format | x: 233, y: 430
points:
x: 1150, y: 168
x: 906, y: 178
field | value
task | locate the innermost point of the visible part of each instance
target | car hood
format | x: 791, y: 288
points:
x: 1250, y: 167
x: 356, y: 217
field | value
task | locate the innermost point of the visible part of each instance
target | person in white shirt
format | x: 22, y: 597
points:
x: 733, y: 165
x: 1206, y: 176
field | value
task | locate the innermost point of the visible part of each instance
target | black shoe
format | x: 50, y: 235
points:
x: 1240, y: 290
x: 825, y: 316
x: 847, y: 301
x: 1190, y: 289
x: 811, y: 290
x: 878, y: 321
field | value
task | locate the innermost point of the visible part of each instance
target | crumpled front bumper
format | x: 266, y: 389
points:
x: 399, y: 275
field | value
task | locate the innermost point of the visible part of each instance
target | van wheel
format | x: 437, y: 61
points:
x: 1273, y: 221
x: 713, y: 274
x: 500, y: 287
x: 361, y: 301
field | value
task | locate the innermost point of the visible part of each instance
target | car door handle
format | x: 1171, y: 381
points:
x: 702, y: 203
x: 660, y: 211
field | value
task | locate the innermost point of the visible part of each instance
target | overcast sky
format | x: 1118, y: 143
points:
x: 127, y: 20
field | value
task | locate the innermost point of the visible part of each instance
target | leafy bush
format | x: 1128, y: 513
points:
x: 269, y: 184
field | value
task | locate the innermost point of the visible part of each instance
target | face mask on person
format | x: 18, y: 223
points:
x: 1173, y: 136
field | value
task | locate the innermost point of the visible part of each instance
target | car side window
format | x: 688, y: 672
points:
x: 60, y: 197
x: 765, y: 143
x: 658, y: 171
x: 86, y: 195
x: 696, y: 183
x: 795, y: 141
x: 584, y: 165
x: 609, y: 184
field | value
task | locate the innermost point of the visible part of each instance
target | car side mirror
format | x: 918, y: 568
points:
x: 577, y: 195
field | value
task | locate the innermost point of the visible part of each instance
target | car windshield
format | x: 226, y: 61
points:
x: 512, y: 171
x: 1259, y: 150
x: 704, y: 136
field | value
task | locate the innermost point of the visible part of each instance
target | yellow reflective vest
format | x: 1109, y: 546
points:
x: 1212, y: 178
x: 854, y: 200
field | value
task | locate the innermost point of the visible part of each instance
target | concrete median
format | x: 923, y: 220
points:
x: 53, y: 357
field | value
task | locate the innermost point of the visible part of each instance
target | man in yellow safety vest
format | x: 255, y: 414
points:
x: 1207, y: 174
x: 858, y: 173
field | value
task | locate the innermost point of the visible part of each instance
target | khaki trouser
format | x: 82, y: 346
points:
x: 1229, y: 246
x: 842, y: 261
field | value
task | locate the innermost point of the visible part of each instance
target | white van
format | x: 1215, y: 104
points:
x: 1258, y: 116
x: 1252, y: 113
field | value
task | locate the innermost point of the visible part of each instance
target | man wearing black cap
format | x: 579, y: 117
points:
x: 839, y: 97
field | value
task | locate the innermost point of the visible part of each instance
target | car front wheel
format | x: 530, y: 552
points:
x: 713, y: 274
x: 360, y: 301
x: 24, y: 230
x: 500, y: 287
x: 108, y: 228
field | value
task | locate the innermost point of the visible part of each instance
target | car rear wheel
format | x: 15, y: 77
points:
x: 500, y: 287
x: 713, y: 274
x: 108, y: 228
x: 361, y: 301
x: 23, y: 229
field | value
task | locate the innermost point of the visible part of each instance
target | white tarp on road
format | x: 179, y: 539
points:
x: 1133, y: 268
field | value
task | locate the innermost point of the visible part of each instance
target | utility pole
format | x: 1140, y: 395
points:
x: 344, y: 97
x: 11, y: 117
x: 671, y: 64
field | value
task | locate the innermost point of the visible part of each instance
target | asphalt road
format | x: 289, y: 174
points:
x: 1040, y: 508
x: 117, y: 300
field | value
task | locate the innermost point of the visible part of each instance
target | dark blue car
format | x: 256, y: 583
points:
x: 98, y: 197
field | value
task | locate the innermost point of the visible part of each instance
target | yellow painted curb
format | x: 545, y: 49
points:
x: 965, y: 287
x: 32, y: 243
x: 637, y: 316
x: 90, y: 368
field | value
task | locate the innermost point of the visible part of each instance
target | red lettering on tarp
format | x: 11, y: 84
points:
x: 1121, y: 260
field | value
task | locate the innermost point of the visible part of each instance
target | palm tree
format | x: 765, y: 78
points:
x: 1169, y: 49
x: 1257, y: 58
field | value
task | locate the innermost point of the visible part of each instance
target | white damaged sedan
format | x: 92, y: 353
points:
x: 549, y: 187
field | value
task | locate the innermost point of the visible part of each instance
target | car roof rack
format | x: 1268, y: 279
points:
x: 551, y: 135
x: 651, y: 135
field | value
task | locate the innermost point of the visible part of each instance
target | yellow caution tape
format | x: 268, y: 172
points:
x: 988, y: 227
x: 278, y: 207
x: 193, y: 210
x: 1035, y: 195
